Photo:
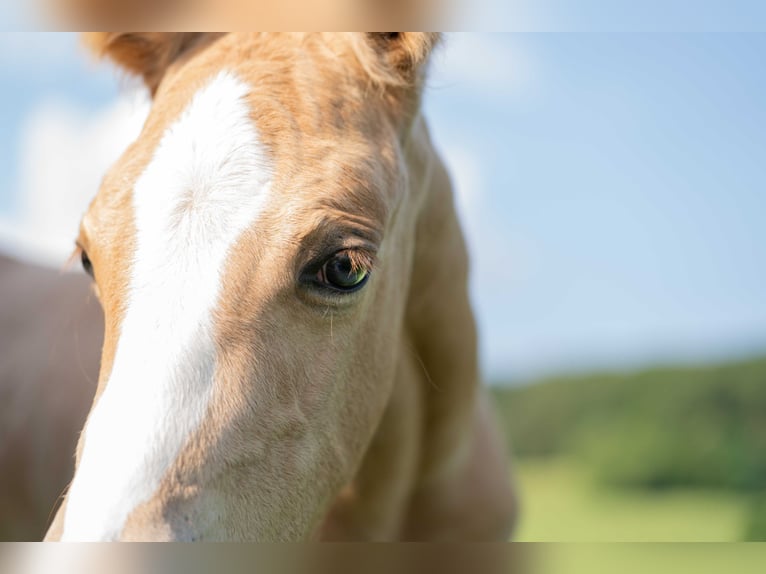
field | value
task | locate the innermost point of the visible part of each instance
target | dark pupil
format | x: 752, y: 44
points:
x: 86, y: 264
x: 340, y: 272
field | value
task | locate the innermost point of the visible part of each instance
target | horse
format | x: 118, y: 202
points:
x: 51, y: 330
x: 289, y: 349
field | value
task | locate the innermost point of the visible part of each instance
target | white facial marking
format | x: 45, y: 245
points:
x: 205, y: 185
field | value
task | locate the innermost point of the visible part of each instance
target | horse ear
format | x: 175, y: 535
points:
x: 146, y: 54
x: 398, y: 57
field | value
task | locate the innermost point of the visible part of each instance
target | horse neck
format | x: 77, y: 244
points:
x: 439, y: 322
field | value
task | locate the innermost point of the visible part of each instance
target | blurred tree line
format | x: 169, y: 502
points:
x: 661, y: 428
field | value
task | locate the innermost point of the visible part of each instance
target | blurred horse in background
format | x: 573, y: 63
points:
x: 51, y: 331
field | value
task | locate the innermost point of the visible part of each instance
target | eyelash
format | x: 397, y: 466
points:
x: 315, y: 275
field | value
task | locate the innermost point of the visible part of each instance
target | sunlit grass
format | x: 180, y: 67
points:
x: 562, y: 503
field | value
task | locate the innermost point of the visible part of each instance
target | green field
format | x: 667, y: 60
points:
x: 562, y: 503
x: 665, y: 454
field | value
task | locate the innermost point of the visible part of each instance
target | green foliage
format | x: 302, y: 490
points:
x: 755, y: 528
x: 654, y: 429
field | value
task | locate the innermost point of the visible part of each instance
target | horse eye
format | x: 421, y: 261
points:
x: 86, y: 263
x: 342, y: 274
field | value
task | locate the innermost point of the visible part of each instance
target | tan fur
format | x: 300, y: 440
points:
x: 356, y: 420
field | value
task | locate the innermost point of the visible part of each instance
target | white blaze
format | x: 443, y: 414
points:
x: 205, y: 185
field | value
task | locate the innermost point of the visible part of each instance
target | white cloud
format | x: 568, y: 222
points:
x: 22, y: 50
x: 500, y: 256
x: 465, y: 169
x: 64, y: 153
x: 505, y: 15
x: 482, y: 71
x: 494, y: 66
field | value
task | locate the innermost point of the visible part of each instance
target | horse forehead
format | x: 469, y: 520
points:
x: 350, y: 166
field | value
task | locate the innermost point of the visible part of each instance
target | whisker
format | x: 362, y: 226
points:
x: 72, y: 259
x: 415, y: 354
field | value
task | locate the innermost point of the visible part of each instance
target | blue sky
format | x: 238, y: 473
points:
x: 625, y: 181
x: 613, y: 15
x: 35, y: 68
x: 613, y: 186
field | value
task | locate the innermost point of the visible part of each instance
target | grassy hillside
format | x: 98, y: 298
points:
x: 653, y: 431
x: 562, y: 503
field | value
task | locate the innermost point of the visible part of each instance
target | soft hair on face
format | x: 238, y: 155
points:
x: 390, y: 59
x: 394, y: 59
